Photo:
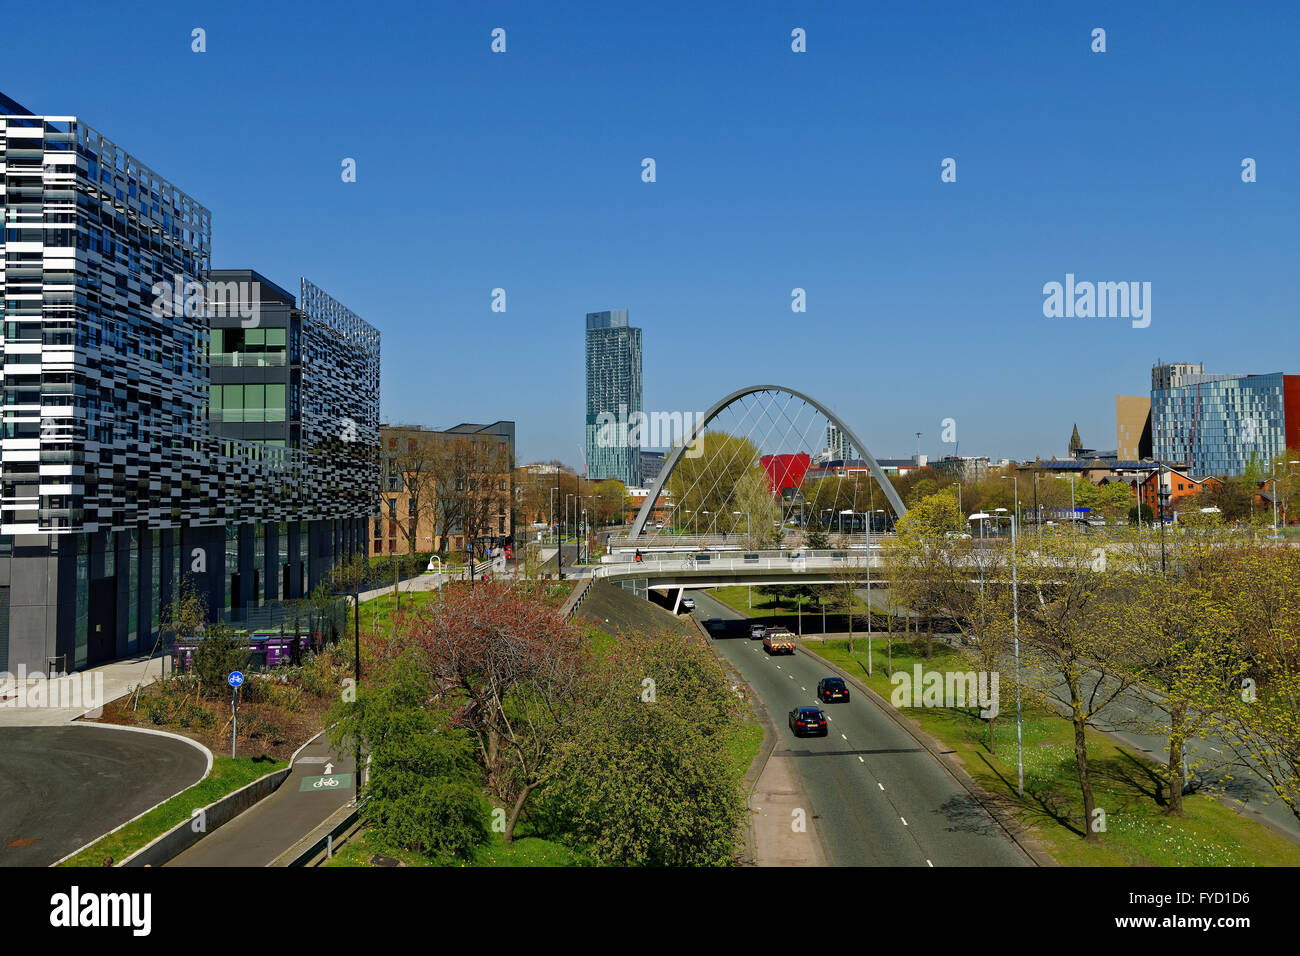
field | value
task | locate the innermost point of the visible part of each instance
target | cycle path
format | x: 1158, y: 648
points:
x: 259, y: 835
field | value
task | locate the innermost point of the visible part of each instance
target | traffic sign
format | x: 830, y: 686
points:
x: 236, y: 678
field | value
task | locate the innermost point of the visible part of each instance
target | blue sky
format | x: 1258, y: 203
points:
x: 775, y: 170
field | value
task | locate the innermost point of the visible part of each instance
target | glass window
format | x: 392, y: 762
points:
x: 218, y: 340
x: 254, y: 403
x: 275, y: 403
x: 275, y: 338
x: 255, y: 337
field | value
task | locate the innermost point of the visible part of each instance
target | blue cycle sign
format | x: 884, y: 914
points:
x: 236, y: 678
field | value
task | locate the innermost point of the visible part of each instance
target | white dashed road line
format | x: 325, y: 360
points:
x: 904, y: 819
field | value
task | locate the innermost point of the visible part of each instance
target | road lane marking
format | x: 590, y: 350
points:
x: 880, y: 785
x: 904, y: 819
x: 842, y: 737
x: 860, y: 760
x: 929, y: 864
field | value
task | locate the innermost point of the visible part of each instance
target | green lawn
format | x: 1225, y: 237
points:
x: 743, y: 745
x: 228, y: 775
x: 525, y: 851
x: 1138, y: 831
x: 377, y: 613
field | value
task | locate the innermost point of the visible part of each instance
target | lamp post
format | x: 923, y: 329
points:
x: 957, y: 485
x: 1015, y: 631
x: 1074, y: 515
x: 1162, y: 501
x: 870, y: 516
x: 1273, y: 466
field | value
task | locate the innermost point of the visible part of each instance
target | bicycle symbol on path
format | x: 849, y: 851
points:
x: 326, y: 782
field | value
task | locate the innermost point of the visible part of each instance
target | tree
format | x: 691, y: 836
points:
x: 1260, y: 589
x: 423, y: 791
x: 1184, y: 640
x: 760, y: 514
x: 916, y: 556
x: 703, y: 487
x: 647, y: 780
x: 1079, y: 651
x: 515, y: 672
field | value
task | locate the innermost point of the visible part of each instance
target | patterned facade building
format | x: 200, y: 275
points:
x: 121, y: 469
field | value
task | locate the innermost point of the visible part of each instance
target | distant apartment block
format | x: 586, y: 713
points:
x: 445, y: 489
x: 1219, y: 424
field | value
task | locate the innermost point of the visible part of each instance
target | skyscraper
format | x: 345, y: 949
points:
x: 613, y: 389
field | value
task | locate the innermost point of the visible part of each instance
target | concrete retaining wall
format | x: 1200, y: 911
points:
x: 184, y: 835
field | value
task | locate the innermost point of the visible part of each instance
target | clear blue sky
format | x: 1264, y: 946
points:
x: 775, y: 170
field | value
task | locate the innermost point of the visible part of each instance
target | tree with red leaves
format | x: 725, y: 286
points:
x: 513, y: 674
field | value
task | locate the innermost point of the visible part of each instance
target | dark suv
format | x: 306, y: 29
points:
x: 808, y: 722
x: 832, y: 689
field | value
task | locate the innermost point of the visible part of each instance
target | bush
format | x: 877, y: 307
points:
x: 424, y: 790
x: 218, y: 653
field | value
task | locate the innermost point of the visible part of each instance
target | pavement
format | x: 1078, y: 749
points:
x: 81, y: 689
x: 872, y: 795
x: 62, y: 787
x: 273, y: 825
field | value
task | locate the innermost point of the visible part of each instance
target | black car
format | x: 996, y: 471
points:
x: 832, y: 689
x: 808, y: 722
x: 715, y: 626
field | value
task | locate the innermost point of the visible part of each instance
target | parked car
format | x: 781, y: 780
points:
x: 777, y: 640
x: 756, y: 631
x: 808, y: 722
x: 832, y: 689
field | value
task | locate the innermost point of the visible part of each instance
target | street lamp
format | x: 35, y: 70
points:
x: 1273, y: 466
x: 1015, y: 631
x: 1162, y: 500
x: 1074, y: 514
x: 957, y: 485
x: 746, y: 514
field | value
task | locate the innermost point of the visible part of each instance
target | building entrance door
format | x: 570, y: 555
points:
x: 101, y: 619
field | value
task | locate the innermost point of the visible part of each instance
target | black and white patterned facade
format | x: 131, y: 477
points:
x: 115, y: 481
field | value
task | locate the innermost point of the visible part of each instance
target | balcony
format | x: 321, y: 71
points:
x: 247, y: 359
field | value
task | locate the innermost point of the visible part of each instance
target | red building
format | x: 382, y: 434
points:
x: 1179, y: 486
x: 785, y: 471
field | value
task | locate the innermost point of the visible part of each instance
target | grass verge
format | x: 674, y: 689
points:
x: 1138, y: 830
x: 228, y: 775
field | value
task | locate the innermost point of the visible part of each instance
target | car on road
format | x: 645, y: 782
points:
x: 808, y: 722
x: 777, y: 640
x: 715, y: 626
x: 756, y: 631
x: 688, y: 604
x: 832, y: 689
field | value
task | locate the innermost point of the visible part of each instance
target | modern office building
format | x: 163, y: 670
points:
x: 652, y: 462
x: 1132, y: 427
x: 126, y: 465
x: 613, y: 389
x: 1219, y: 424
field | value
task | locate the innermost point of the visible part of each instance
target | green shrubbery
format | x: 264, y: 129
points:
x: 424, y: 791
